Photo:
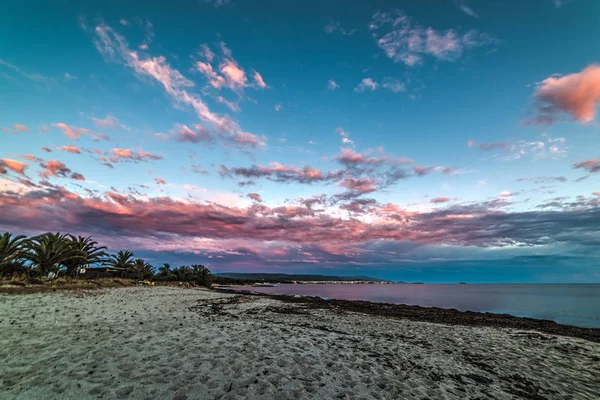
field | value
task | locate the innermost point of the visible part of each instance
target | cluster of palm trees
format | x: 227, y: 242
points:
x: 54, y: 254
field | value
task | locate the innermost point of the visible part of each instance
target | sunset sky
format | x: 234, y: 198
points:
x: 417, y: 140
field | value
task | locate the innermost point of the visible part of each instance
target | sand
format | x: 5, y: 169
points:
x: 175, y: 343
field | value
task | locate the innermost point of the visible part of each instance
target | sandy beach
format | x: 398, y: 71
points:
x: 176, y: 343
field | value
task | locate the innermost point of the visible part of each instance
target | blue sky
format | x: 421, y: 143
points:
x: 401, y: 140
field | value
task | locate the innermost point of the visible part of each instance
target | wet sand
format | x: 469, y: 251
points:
x: 175, y: 343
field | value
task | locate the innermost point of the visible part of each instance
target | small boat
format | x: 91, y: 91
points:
x: 266, y: 285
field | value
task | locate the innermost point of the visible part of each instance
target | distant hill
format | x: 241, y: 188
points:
x: 293, y: 277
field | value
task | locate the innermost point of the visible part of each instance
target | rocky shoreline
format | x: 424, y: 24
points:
x: 434, y: 314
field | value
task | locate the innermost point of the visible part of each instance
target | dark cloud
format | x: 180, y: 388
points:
x: 544, y: 179
x: 592, y: 166
x: 280, y: 173
x: 255, y: 196
x: 485, y: 224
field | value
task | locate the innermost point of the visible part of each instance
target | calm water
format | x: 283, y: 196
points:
x: 572, y: 304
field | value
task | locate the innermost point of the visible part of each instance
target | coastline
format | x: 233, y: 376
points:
x: 448, y: 316
x: 177, y: 343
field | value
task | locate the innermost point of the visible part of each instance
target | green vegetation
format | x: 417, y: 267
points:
x: 61, y: 258
x: 196, y: 274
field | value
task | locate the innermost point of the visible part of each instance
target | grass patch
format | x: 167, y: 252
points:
x: 21, y: 285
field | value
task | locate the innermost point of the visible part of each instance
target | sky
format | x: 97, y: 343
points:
x: 431, y: 140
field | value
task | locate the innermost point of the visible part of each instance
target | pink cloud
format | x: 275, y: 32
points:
x: 160, y: 181
x: 360, y: 206
x: 214, y: 79
x: 207, y: 53
x: 77, y: 177
x: 161, y: 136
x: 393, y: 85
x: 364, y: 185
x: 494, y: 146
x: 137, y: 220
x: 420, y: 170
x: 197, y: 168
x: 345, y: 136
x: 72, y: 132
x: 591, y: 166
x: 350, y: 157
x: 224, y: 49
x: 114, y: 47
x: 255, y: 196
x: 108, y: 122
x: 231, y: 75
x: 182, y: 133
x: 332, y: 85
x: 70, y: 149
x: 280, y: 173
x: 576, y: 94
x: 144, y: 154
x: 47, y: 150
x: 258, y: 80
x: 31, y: 157
x: 437, y: 200
x: 335, y: 26
x: 22, y: 128
x: 54, y: 168
x: 232, y: 106
x: 15, y: 166
x: 447, y: 46
x: 235, y: 76
x: 58, y: 169
x: 404, y: 41
x: 127, y: 154
x: 76, y: 132
x: 367, y: 83
x: 123, y: 153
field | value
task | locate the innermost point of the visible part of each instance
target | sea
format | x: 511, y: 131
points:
x: 570, y: 304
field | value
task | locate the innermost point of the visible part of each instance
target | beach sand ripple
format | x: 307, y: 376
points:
x: 174, y: 343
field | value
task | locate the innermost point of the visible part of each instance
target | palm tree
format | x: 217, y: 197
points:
x: 165, y: 270
x: 123, y: 260
x: 50, y: 252
x: 89, y: 251
x: 11, y: 251
x: 142, y: 269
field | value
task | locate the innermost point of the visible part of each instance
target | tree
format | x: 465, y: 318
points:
x: 88, y: 250
x: 50, y: 252
x: 197, y: 274
x: 201, y: 275
x: 11, y: 253
x: 142, y: 269
x: 164, y: 272
x: 123, y: 259
x: 165, y: 269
